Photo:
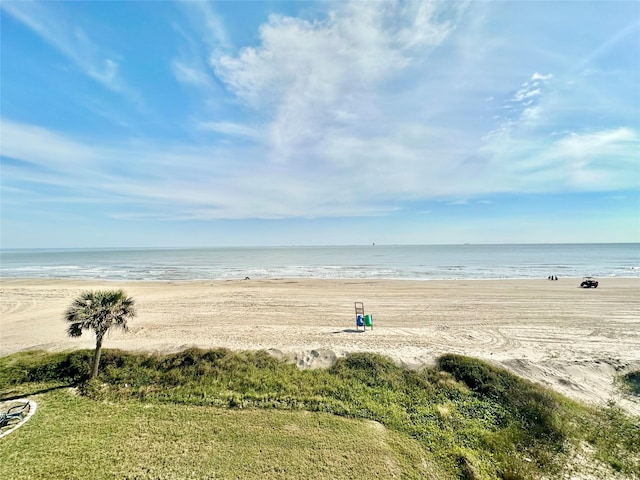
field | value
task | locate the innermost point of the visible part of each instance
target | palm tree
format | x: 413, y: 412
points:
x: 99, y: 311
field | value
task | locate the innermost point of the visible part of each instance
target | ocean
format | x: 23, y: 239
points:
x: 414, y: 262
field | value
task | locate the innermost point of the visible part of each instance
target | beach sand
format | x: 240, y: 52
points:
x: 573, y: 340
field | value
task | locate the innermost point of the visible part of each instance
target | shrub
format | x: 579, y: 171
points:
x: 68, y: 367
x: 631, y: 382
x: 534, y: 407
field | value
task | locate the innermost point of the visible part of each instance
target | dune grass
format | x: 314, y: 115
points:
x: 220, y: 414
x: 631, y: 383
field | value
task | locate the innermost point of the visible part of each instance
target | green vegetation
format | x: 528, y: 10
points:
x: 220, y: 414
x: 72, y: 437
x: 631, y: 383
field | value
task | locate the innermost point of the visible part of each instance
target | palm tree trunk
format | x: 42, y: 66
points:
x: 96, y: 356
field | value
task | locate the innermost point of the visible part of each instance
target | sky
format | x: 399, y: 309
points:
x: 151, y: 124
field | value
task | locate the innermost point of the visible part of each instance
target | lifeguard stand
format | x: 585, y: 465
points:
x: 362, y: 320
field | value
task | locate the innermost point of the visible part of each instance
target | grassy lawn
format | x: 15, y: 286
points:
x: 220, y: 414
x: 76, y: 437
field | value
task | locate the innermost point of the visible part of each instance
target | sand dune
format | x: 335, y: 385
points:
x: 552, y: 332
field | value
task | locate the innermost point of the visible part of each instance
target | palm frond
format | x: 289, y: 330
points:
x: 99, y: 311
x: 75, y: 330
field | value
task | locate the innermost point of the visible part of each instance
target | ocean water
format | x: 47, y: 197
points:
x: 416, y: 262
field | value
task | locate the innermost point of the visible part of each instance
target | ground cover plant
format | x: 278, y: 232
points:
x: 631, y: 383
x: 461, y: 419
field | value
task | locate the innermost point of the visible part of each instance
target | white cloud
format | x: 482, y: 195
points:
x: 605, y: 142
x: 530, y: 114
x: 594, y: 161
x: 179, y: 181
x: 358, y: 46
x: 352, y: 114
x: 72, y: 42
x: 541, y: 77
x: 230, y: 128
x: 525, y: 93
x: 204, y: 33
x: 322, y: 82
x: 522, y: 109
x: 208, y: 23
x: 190, y: 74
x: 600, y: 160
x: 42, y: 147
x: 531, y: 88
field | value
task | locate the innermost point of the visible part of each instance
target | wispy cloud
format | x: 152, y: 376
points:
x: 203, y: 35
x: 208, y: 23
x: 521, y: 109
x: 602, y: 160
x: 179, y: 181
x: 532, y: 87
x: 191, y: 73
x: 594, y: 161
x: 361, y: 111
x: 73, y: 42
x: 232, y: 129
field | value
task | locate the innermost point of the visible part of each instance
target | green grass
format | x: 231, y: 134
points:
x: 220, y: 414
x: 75, y: 437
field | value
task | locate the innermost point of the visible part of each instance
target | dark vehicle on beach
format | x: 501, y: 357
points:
x: 589, y: 282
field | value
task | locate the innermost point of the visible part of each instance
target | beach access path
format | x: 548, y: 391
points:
x: 552, y: 332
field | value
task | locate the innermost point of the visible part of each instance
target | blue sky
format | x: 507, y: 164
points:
x: 283, y: 123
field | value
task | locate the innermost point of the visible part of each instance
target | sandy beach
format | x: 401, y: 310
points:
x: 574, y: 340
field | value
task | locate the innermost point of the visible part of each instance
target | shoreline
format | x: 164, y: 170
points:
x: 109, y: 281
x: 571, y: 339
